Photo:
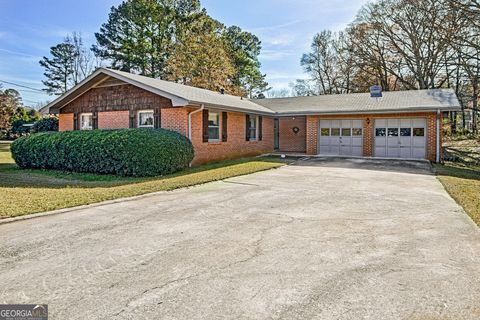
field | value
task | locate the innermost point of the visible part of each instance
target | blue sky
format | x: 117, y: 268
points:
x: 29, y: 27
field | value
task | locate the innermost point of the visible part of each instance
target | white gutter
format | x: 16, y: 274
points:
x: 190, y: 120
x: 437, y: 158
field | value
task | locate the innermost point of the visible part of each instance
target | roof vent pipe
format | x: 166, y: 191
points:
x: 222, y: 90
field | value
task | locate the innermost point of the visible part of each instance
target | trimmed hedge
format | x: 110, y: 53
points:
x: 127, y: 152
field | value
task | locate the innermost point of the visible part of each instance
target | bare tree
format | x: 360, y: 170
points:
x: 328, y: 63
x: 84, y: 61
x: 419, y: 35
x: 369, y: 51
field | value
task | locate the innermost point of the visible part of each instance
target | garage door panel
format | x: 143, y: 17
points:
x: 405, y: 152
x: 405, y: 141
x: 380, y: 122
x: 357, y: 123
x: 418, y: 153
x: 357, y: 151
x: 357, y: 141
x: 325, y: 123
x: 405, y: 123
x: 393, y: 123
x: 418, y: 142
x: 334, y: 150
x: 420, y: 123
x: 345, y: 137
x: 335, y: 123
x: 380, y: 152
x: 400, y: 138
x: 393, y: 152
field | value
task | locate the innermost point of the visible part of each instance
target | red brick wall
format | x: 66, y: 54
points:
x: 65, y: 122
x: 312, y: 135
x: 175, y: 119
x: 288, y: 140
x: 368, y: 127
x: 113, y: 119
x: 236, y: 146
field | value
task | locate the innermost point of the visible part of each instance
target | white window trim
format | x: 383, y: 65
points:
x: 81, y: 121
x: 219, y: 126
x: 138, y: 119
x: 256, y: 128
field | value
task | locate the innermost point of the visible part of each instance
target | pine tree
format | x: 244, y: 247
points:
x: 244, y: 49
x: 59, y: 69
x: 71, y: 62
x: 200, y: 58
x: 139, y: 34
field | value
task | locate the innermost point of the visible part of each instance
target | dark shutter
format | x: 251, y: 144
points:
x: 133, y: 122
x: 260, y: 128
x: 75, y: 121
x: 94, y: 119
x: 205, y: 126
x: 224, y: 126
x: 247, y: 127
x: 157, y: 118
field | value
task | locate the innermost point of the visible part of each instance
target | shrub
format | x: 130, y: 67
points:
x: 129, y: 152
x: 19, y: 128
x: 45, y: 125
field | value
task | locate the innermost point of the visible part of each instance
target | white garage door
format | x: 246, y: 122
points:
x: 341, y: 137
x: 400, y: 138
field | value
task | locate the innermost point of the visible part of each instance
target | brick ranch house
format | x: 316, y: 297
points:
x: 402, y: 124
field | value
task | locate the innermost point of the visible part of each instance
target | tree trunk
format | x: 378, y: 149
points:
x: 474, y: 105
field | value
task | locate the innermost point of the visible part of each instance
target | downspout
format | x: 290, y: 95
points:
x: 190, y: 124
x: 437, y: 158
x: 190, y: 121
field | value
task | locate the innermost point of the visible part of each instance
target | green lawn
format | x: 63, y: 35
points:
x: 461, y: 175
x: 29, y: 191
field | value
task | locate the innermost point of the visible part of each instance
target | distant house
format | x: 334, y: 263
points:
x: 400, y: 125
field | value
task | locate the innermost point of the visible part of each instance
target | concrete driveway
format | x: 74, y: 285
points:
x: 323, y: 239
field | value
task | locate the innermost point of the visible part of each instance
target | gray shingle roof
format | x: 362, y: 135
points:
x: 393, y: 101
x: 182, y: 95
x: 196, y: 95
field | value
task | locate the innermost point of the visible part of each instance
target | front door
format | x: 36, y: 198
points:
x: 276, y: 134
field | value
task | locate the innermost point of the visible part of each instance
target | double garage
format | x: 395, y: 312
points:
x: 403, y: 138
x: 399, y: 125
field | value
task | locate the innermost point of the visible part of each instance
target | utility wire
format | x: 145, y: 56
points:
x: 22, y: 86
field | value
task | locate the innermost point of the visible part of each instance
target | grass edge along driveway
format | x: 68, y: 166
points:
x: 463, y: 184
x: 25, y: 192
